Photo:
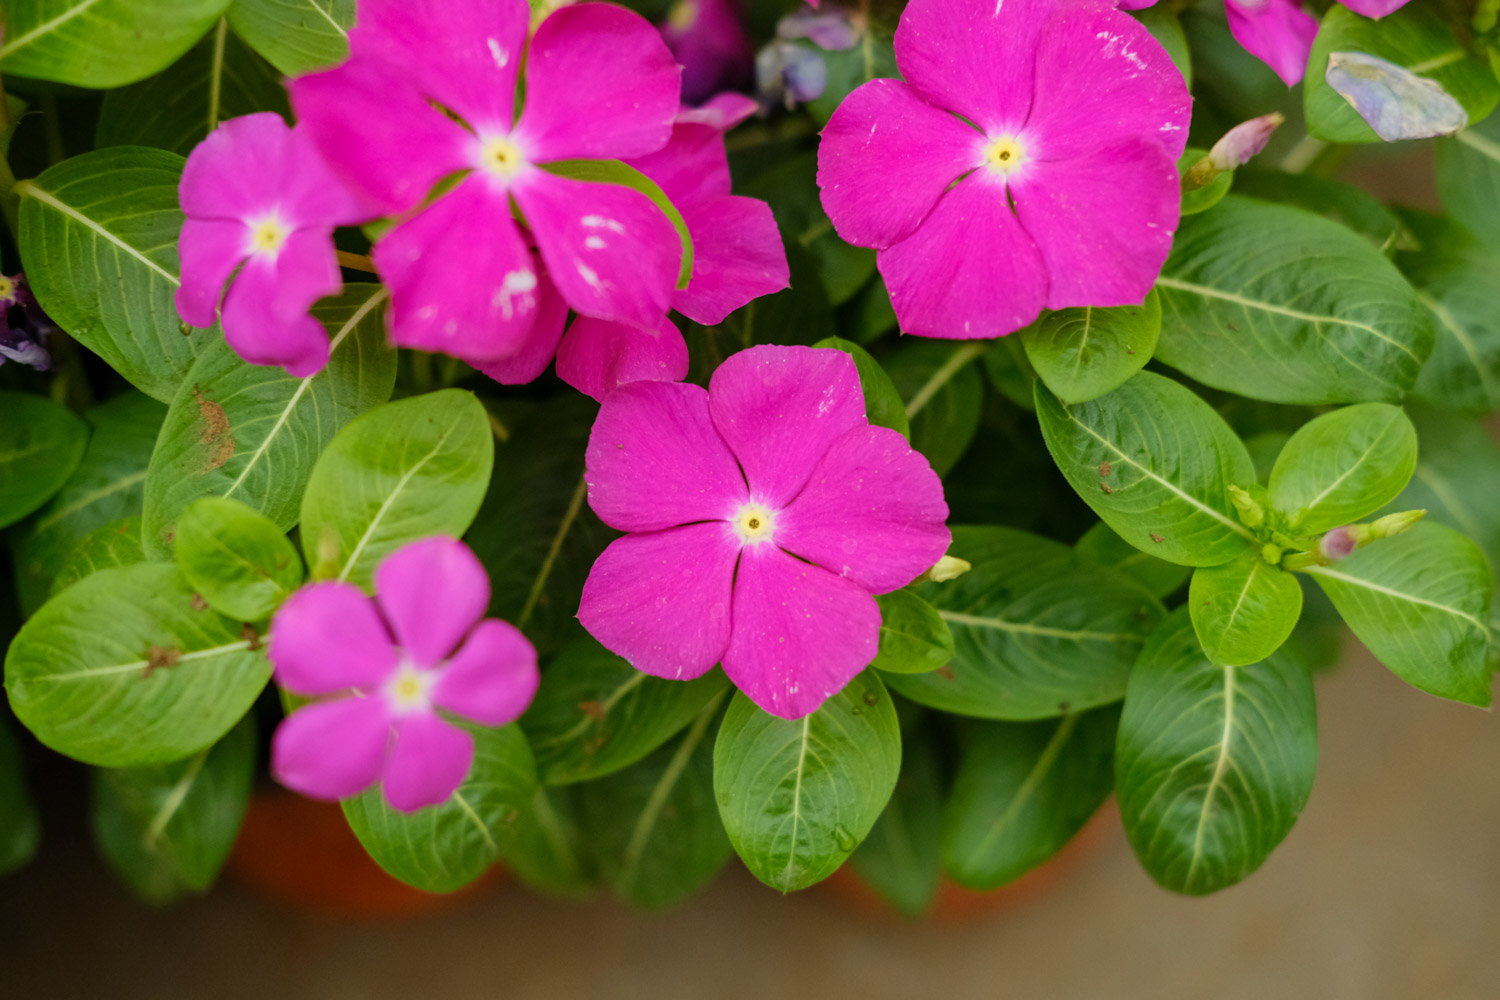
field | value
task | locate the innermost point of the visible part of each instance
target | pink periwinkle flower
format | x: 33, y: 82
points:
x: 1027, y: 161
x: 710, y: 43
x: 599, y: 84
x: 384, y: 668
x: 762, y: 515
x: 1277, y: 32
x: 256, y: 193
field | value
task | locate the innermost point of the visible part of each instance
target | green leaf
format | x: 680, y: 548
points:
x: 1421, y: 602
x: 1457, y: 479
x: 1161, y: 20
x: 1009, y: 370
x: 1468, y: 179
x: 944, y: 392
x: 443, y: 848
x: 1416, y: 38
x: 403, y: 471
x: 616, y: 172
x: 100, y: 43
x: 20, y: 828
x: 1213, y: 764
x: 1343, y: 465
x: 1103, y: 545
x: 41, y: 443
x: 168, y: 829
x: 901, y: 858
x: 1022, y: 791
x: 1201, y: 199
x: 252, y: 432
x: 1276, y: 303
x: 847, y: 70
x: 127, y: 668
x: 655, y: 826
x: 99, y: 237
x: 547, y: 851
x: 239, y: 561
x: 798, y: 795
x: 1343, y: 203
x: 1243, y: 610
x: 297, y: 36
x: 1454, y: 275
x: 790, y: 187
x: 883, y: 404
x: 913, y: 636
x: 1155, y: 462
x: 220, y: 78
x: 1037, y: 632
x: 595, y: 714
x: 107, y: 485
x: 1084, y: 353
x: 112, y: 544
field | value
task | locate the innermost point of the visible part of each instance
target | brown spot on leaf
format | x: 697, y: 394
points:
x: 1105, y: 469
x: 160, y: 658
x: 1063, y: 706
x: 1105, y: 487
x: 214, y: 434
x: 1157, y: 538
x: 593, y: 709
x: 871, y: 698
x: 251, y: 636
x: 946, y: 673
x: 197, y: 603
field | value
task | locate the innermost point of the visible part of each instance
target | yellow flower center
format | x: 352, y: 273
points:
x: 501, y: 156
x: 754, y: 523
x: 408, y: 689
x: 268, y: 235
x: 683, y: 15
x: 1005, y: 154
x: 7, y: 287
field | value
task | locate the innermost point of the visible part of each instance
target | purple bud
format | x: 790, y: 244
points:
x: 708, y: 40
x: 791, y: 73
x: 1244, y: 141
x: 830, y: 32
x: 24, y: 335
x: 1338, y: 543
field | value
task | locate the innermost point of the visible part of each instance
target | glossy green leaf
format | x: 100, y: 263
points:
x: 443, y: 848
x: 1343, y: 203
x: 1275, y: 303
x: 790, y: 187
x: 1213, y: 764
x: 1421, y: 602
x: 297, y: 36
x: 1457, y: 479
x: 654, y: 826
x: 883, y: 404
x: 1343, y: 465
x: 101, y: 43
x: 41, y: 443
x: 1155, y: 462
x: 624, y: 175
x: 1103, y: 545
x: 901, y: 859
x: 1037, y: 631
x: 1468, y: 179
x: 220, y: 78
x: 241, y: 563
x: 547, y: 851
x: 1416, y: 38
x: 595, y: 714
x: 252, y: 432
x: 128, y: 668
x: 107, y: 485
x: 944, y: 392
x: 99, y: 237
x: 1084, y: 353
x: 404, y: 471
x: 1243, y: 610
x: 112, y: 544
x: 913, y: 636
x: 1201, y: 199
x: 20, y: 827
x: 1022, y: 791
x: 798, y: 795
x: 168, y: 829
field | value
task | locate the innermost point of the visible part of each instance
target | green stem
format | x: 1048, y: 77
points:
x: 569, y: 516
x: 941, y: 377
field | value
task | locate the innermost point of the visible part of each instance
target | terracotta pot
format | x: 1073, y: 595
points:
x: 301, y: 853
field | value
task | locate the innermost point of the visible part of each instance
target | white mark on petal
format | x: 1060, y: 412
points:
x: 517, y: 284
x: 600, y: 222
x: 500, y: 56
x: 595, y: 243
x: 590, y: 276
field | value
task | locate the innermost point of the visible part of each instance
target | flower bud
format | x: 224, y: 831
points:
x: 946, y: 568
x: 1395, y: 524
x: 1252, y: 514
x: 1338, y: 543
x: 1235, y: 149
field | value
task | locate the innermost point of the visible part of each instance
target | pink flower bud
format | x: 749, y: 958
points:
x: 1338, y: 543
x: 1244, y: 141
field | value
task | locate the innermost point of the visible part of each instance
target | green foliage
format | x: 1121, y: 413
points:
x: 624, y: 175
x: 41, y: 444
x: 943, y: 392
x: 901, y: 857
x: 237, y: 560
x: 297, y: 36
x: 1468, y: 179
x: 1103, y: 545
x: 112, y: 544
x: 1082, y: 354
x: 1457, y: 479
x: 1201, y: 199
x: 20, y: 827
x: 1243, y: 610
x: 883, y: 404
x: 913, y: 636
x: 101, y: 43
x: 1343, y: 465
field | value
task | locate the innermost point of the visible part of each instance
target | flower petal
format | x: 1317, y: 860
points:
x: 737, y: 256
x: 265, y: 330
x: 332, y: 749
x: 428, y: 763
x: 597, y: 356
x: 378, y: 133
x: 1103, y: 222
x: 493, y: 676
x: 1277, y: 32
x: 887, y: 156
x: 610, y: 250
x: 711, y: 47
x: 237, y: 171
x: 779, y: 409
x: 654, y: 459
x: 873, y: 512
x: 464, y: 54
x: 800, y: 632
x: 541, y: 342
x: 1374, y: 8
x: 600, y: 84
x: 722, y: 111
x: 210, y: 250
x: 969, y: 270
x: 975, y: 58
x: 1101, y: 76
x: 328, y: 637
x: 691, y: 167
x: 662, y: 599
x: 432, y: 592
x: 462, y: 281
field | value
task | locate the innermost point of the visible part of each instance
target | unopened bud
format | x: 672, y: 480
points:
x: 1252, y: 514
x: 1395, y: 524
x: 946, y: 568
x: 1271, y: 553
x: 1235, y: 149
x: 1338, y: 543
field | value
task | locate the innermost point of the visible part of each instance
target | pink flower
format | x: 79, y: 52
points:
x: 387, y: 666
x: 1277, y: 32
x: 1374, y: 8
x: 1070, y: 112
x: 763, y: 514
x: 600, y: 84
x: 711, y: 45
x: 597, y: 356
x: 257, y: 193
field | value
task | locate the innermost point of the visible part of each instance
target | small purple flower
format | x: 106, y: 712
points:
x: 763, y: 515
x: 710, y: 44
x: 27, y: 327
x: 383, y: 668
